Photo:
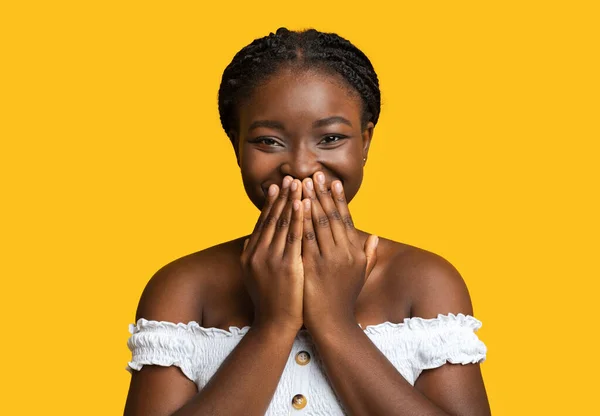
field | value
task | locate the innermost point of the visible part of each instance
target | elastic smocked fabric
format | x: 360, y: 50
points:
x: 412, y: 346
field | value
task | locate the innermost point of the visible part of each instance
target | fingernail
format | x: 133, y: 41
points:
x: 320, y: 178
x: 376, y: 241
x: 309, y: 185
x: 307, y: 204
x: 296, y: 204
x: 338, y: 187
x: 286, y: 181
x: 294, y: 185
x: 272, y: 190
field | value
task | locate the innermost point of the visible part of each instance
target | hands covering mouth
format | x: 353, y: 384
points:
x: 305, y: 262
x: 327, y: 187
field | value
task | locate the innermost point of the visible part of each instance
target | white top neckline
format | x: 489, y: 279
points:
x: 412, y: 346
x: 411, y: 323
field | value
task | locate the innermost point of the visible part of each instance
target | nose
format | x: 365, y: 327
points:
x: 301, y: 164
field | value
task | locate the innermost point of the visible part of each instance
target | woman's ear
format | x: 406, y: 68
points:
x: 235, y: 141
x: 367, y: 136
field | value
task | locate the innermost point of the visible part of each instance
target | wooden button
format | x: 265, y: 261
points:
x: 299, y: 402
x: 302, y: 358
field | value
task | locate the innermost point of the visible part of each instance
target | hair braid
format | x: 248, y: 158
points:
x: 263, y: 57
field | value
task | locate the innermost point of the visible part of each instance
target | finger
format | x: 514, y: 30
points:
x: 309, y: 238
x: 320, y: 221
x: 371, y: 253
x: 272, y: 195
x: 338, y: 230
x: 283, y: 224
x: 268, y: 229
x: 293, y: 247
x: 339, y: 198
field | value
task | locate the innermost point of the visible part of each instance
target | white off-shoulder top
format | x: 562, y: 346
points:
x: 415, y: 345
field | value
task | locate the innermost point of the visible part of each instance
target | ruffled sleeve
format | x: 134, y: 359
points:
x: 162, y: 343
x: 196, y: 350
x: 420, y: 344
x: 449, y: 338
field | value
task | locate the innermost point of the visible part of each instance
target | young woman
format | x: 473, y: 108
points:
x: 307, y: 315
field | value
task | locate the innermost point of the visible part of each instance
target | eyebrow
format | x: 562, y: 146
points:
x: 319, y: 123
x: 331, y: 120
x: 266, y: 123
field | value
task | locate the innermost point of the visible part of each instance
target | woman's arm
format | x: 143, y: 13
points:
x: 244, y: 384
x: 368, y: 384
x: 271, y: 265
x: 336, y: 265
x: 363, y: 378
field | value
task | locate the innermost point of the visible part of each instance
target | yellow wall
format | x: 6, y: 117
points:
x: 113, y: 163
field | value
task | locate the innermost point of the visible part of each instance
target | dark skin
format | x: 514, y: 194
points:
x: 293, y: 129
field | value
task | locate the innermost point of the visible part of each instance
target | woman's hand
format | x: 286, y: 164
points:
x: 272, y: 260
x: 336, y: 265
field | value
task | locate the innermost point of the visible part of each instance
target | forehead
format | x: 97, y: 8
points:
x: 297, y: 95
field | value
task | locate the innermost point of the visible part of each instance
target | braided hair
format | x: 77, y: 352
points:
x: 263, y: 57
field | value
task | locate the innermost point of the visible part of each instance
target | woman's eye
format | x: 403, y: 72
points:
x: 267, y: 141
x: 331, y: 139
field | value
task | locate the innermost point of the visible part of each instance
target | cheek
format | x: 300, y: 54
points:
x: 254, y: 192
x: 254, y: 173
x: 256, y: 168
x: 350, y: 169
x: 352, y: 185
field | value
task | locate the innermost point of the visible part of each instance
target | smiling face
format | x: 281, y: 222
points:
x: 297, y: 123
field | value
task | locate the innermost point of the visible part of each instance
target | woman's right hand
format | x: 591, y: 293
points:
x: 272, y: 260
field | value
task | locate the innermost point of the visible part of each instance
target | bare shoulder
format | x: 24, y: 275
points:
x: 431, y: 283
x: 176, y: 292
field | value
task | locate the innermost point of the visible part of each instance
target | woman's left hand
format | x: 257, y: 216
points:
x: 336, y: 264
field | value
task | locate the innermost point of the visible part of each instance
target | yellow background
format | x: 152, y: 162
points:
x: 113, y: 163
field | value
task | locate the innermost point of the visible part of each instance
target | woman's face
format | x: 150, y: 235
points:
x: 297, y: 123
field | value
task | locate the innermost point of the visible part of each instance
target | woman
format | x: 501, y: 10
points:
x: 308, y: 314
